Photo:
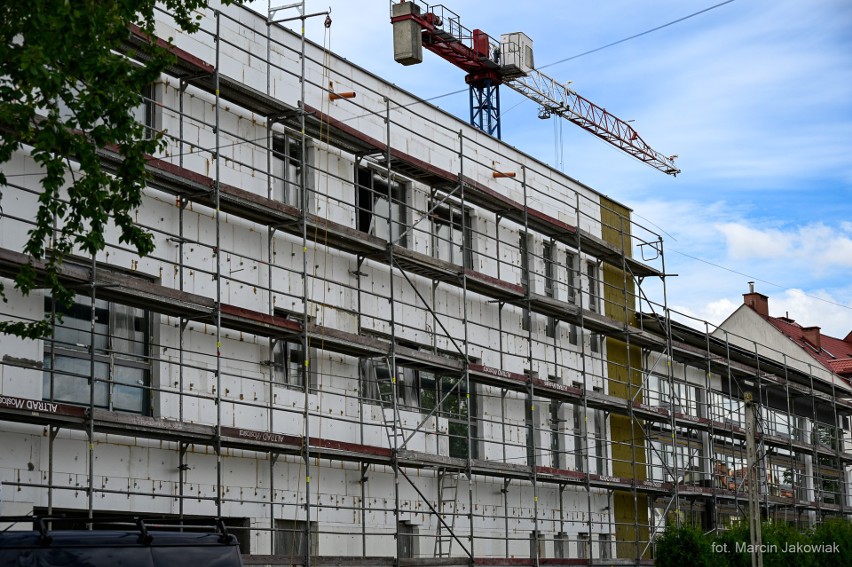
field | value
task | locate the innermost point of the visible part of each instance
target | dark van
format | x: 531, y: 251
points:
x: 136, y: 547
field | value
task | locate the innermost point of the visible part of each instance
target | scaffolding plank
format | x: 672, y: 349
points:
x: 256, y: 323
x: 134, y: 425
x: 41, y: 412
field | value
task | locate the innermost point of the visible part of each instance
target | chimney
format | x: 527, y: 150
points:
x: 757, y: 301
x: 811, y: 335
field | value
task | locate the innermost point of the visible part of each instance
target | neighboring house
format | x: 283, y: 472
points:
x: 783, y: 338
x: 805, y: 355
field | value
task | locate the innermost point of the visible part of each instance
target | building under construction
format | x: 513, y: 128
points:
x: 370, y: 330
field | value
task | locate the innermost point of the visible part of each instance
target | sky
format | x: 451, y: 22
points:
x: 754, y: 96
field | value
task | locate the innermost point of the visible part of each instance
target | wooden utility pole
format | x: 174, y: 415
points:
x: 752, y: 480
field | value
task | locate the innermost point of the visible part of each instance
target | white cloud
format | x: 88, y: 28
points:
x: 745, y: 242
x: 820, y: 248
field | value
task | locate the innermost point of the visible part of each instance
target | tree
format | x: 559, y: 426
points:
x: 686, y: 545
x: 67, y: 92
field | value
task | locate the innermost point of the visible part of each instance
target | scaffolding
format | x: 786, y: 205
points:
x: 359, y: 292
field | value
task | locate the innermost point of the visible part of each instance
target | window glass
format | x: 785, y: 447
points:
x: 121, y: 361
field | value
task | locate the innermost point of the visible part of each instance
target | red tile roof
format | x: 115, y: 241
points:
x: 842, y: 367
x: 834, y: 354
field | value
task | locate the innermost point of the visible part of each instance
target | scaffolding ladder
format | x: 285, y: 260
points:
x: 448, y: 491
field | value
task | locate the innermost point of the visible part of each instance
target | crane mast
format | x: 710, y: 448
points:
x: 490, y: 63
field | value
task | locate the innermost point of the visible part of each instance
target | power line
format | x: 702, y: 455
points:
x: 637, y: 35
x: 755, y: 278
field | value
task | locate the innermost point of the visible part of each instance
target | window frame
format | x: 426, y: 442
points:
x: 281, y: 359
x: 550, y: 268
x: 367, y: 197
x: 288, y: 167
x: 593, y: 276
x: 526, y: 276
x: 289, y: 538
x: 458, y: 219
x: 73, y: 343
x: 419, y: 391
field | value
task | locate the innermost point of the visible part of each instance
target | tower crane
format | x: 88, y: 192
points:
x: 490, y: 63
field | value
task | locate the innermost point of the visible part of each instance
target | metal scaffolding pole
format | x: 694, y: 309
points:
x: 753, y: 485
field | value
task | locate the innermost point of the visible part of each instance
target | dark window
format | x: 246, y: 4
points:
x: 291, y: 538
x: 380, y: 207
x: 535, y: 545
x: 406, y: 535
x: 530, y: 424
x: 146, y: 112
x: 456, y: 407
x: 288, y: 167
x: 550, y: 284
x: 604, y: 546
x: 422, y: 390
x: 560, y: 545
x: 289, y: 366
x: 571, y: 264
x: 377, y: 383
x: 555, y: 422
x: 579, y: 424
x: 549, y: 270
x: 592, y: 272
x: 122, y: 367
x: 452, y: 234
x: 523, y: 248
x: 583, y: 546
x: 600, y: 437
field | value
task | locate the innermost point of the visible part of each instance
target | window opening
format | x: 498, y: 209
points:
x: 592, y: 272
x: 452, y: 233
x: 455, y: 408
x: 523, y: 247
x: 600, y: 437
x: 122, y: 363
x: 583, y: 546
x: 571, y: 263
x: 288, y: 360
x: 288, y: 167
x: 550, y: 284
x: 579, y: 423
x: 291, y: 538
x: 374, y: 209
x: 555, y: 426
x: 406, y: 534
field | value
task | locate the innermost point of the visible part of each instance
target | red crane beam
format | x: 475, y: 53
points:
x: 474, y: 59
